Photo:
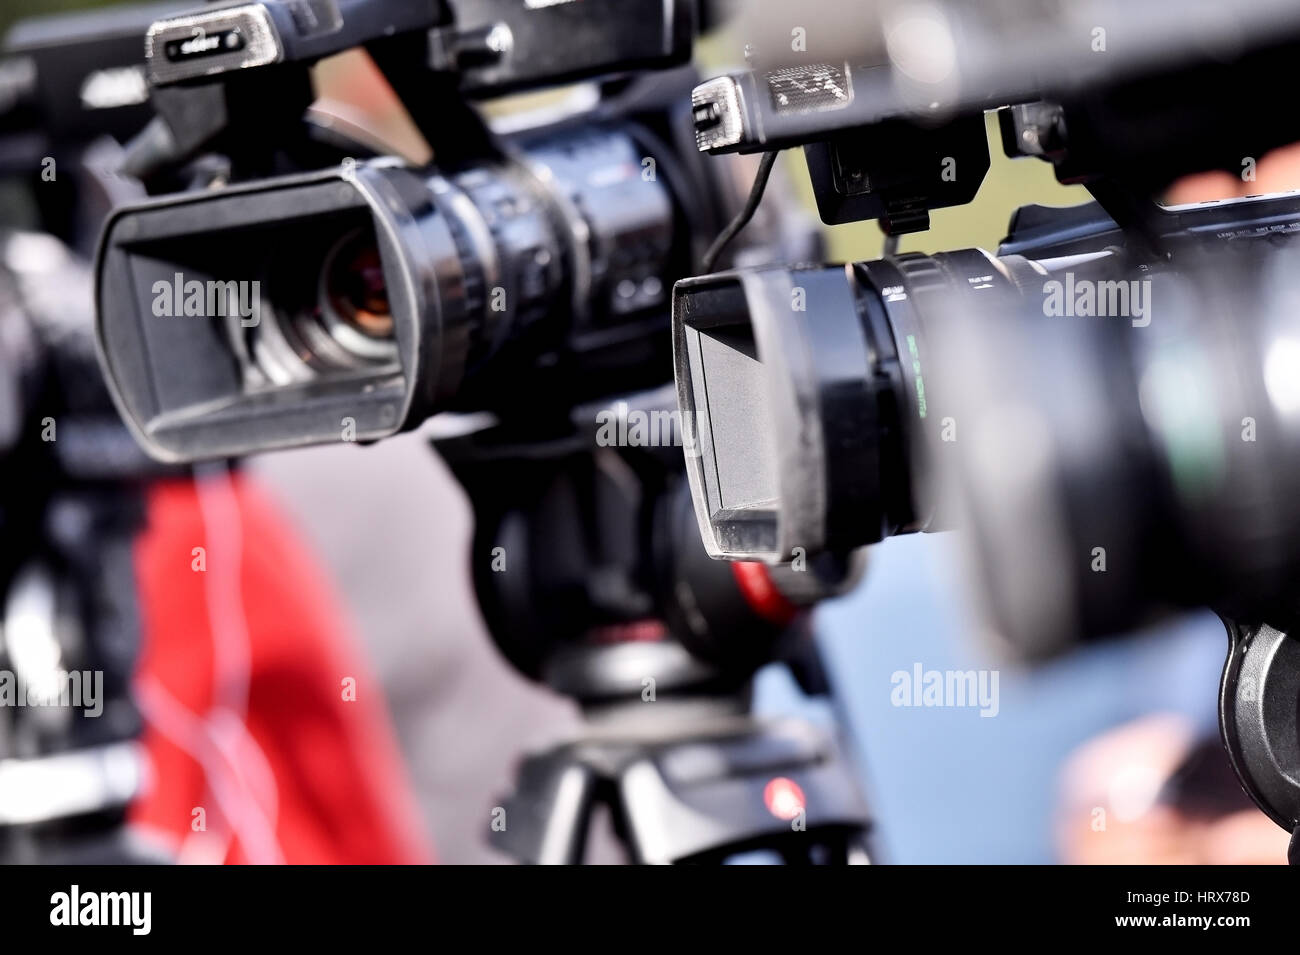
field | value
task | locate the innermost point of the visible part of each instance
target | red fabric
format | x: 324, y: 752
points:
x: 254, y: 729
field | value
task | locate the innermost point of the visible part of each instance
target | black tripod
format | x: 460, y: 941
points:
x: 591, y: 576
x: 71, y: 505
x: 703, y: 791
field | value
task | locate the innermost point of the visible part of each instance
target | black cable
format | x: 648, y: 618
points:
x: 747, y: 213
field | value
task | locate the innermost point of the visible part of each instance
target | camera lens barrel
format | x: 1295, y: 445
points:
x: 353, y: 303
x: 1107, y: 464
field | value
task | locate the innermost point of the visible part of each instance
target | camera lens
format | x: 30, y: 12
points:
x: 319, y: 320
x: 813, y: 399
x: 355, y: 293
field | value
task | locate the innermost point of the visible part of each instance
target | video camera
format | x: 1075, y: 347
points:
x: 1107, y: 403
x: 842, y: 363
x: 352, y: 295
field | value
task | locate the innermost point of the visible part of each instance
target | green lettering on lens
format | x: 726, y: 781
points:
x: 1186, y: 417
x: 916, y: 370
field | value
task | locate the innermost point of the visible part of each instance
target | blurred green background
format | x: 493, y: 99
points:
x: 1010, y: 183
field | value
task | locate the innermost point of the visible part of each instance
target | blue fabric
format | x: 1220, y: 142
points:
x: 950, y: 786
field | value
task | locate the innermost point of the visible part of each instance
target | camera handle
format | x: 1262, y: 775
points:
x: 1259, y: 719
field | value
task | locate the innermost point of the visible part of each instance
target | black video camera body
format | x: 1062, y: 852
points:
x: 356, y: 296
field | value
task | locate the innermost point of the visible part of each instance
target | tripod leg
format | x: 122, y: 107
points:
x: 548, y: 816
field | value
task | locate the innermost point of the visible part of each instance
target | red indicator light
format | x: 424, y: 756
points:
x: 783, y: 798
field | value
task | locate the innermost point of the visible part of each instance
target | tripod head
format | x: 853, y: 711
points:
x: 593, y: 581
x: 591, y: 575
